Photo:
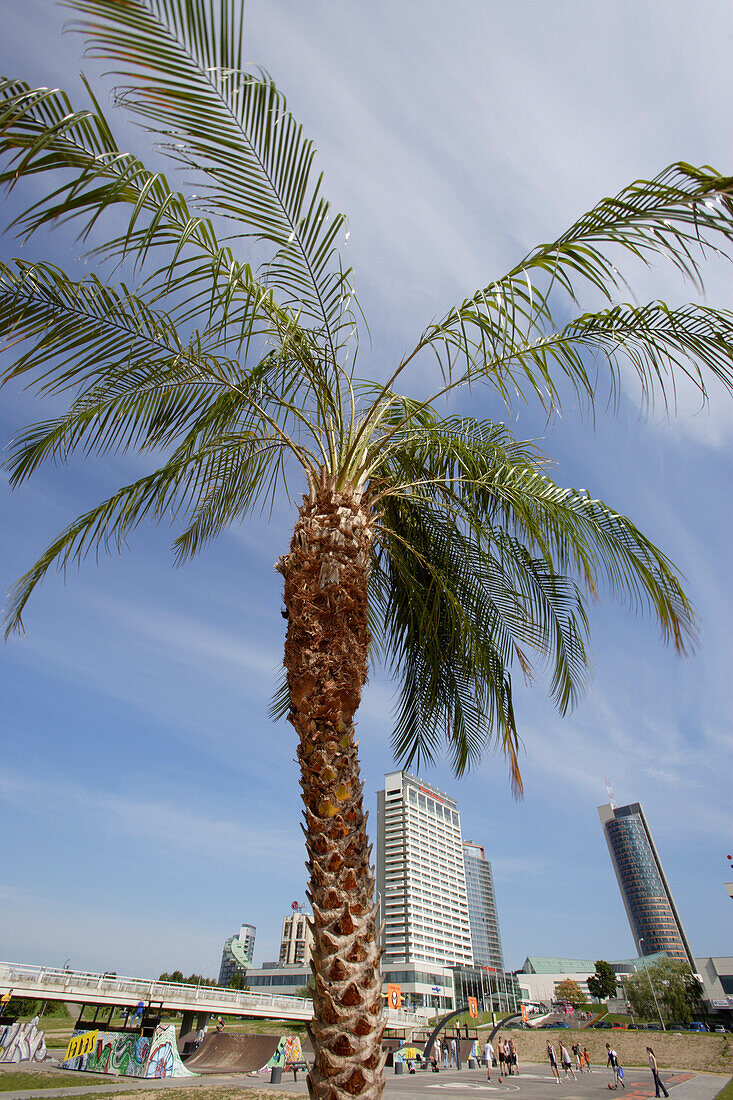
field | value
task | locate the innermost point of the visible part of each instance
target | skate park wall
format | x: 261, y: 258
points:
x: 255, y: 1053
x: 124, y: 1055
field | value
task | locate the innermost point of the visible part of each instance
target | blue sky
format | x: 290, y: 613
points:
x: 149, y: 806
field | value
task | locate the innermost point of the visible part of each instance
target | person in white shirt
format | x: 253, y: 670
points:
x: 488, y: 1057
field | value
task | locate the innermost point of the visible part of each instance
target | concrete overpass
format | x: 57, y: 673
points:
x: 83, y: 987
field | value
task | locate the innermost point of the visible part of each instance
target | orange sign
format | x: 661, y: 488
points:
x: 525, y: 1014
x: 473, y: 1008
x: 394, y: 996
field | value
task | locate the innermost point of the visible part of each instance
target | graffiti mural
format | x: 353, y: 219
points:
x: 163, y: 1059
x: 407, y: 1054
x: 22, y: 1043
x: 125, y: 1055
x: 289, y: 1052
x: 114, y: 1052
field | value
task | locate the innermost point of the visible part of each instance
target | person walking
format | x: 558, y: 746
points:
x: 502, y: 1057
x: 437, y: 1050
x: 618, y: 1073
x: 659, y: 1087
x: 552, y: 1060
x: 567, y: 1065
x: 578, y: 1057
x: 446, y: 1052
x: 513, y: 1061
x: 453, y: 1053
x: 586, y: 1059
x: 488, y: 1057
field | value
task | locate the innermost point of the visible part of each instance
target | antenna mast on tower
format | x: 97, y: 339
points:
x: 609, y: 791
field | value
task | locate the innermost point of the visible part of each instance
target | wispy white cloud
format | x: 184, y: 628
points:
x: 178, y: 829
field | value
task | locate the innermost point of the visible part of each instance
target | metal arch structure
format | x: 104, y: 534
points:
x: 458, y: 1012
x: 503, y: 1023
x: 439, y: 1027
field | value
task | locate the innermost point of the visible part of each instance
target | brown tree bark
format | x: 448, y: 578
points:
x: 326, y: 652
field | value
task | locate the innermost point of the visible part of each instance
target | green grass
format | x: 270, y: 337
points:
x: 20, y: 1081
x: 726, y: 1093
x: 237, y: 1024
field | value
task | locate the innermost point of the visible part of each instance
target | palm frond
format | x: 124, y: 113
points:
x: 233, y: 129
x: 504, y: 333
x: 228, y: 469
x: 481, y: 565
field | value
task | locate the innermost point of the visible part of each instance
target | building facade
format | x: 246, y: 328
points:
x: 482, y: 914
x: 421, y: 880
x: 296, y: 940
x: 540, y: 975
x: 655, y: 922
x: 238, y: 953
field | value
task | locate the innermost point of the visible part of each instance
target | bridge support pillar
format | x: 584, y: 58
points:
x: 202, y: 1018
x: 186, y: 1022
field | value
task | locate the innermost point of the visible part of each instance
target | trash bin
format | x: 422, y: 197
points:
x: 472, y: 1063
x: 276, y: 1075
x: 399, y: 1067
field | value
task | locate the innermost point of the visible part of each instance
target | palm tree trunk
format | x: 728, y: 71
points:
x: 326, y: 652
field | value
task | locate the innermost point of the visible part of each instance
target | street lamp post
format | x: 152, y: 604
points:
x: 649, y: 979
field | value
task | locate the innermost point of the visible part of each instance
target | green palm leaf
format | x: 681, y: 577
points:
x: 503, y: 334
x: 233, y: 129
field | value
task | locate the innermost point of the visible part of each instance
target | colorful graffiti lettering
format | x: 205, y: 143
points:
x: 126, y: 1055
x: 22, y: 1043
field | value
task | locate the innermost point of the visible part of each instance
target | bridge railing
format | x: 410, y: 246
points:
x: 138, y: 988
x: 131, y: 990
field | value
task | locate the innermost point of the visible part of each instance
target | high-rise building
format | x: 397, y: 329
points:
x: 482, y: 914
x: 236, y: 958
x: 655, y: 922
x: 420, y: 875
x: 296, y: 941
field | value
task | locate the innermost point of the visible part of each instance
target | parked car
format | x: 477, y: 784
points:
x: 602, y: 1025
x: 696, y: 1025
x: 619, y: 1026
x: 653, y: 1027
x: 719, y: 1028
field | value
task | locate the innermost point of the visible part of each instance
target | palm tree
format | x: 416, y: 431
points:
x: 439, y: 544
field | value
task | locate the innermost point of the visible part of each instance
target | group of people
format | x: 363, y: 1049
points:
x: 582, y: 1063
x: 447, y: 1049
x: 504, y: 1057
x: 582, y: 1060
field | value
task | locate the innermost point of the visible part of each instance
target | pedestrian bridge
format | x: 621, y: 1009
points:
x: 83, y: 987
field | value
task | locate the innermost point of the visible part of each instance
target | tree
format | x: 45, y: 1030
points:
x: 570, y: 991
x: 439, y: 544
x: 678, y: 991
x: 239, y: 980
x: 602, y: 984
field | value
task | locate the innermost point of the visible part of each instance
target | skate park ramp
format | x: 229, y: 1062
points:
x: 222, y: 1053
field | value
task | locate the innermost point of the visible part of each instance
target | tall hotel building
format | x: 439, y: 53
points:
x: 650, y: 907
x: 482, y: 913
x: 420, y: 875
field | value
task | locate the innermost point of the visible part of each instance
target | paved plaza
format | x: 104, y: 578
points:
x: 534, y: 1082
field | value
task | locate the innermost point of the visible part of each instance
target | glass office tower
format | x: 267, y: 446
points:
x: 482, y: 914
x: 650, y: 907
